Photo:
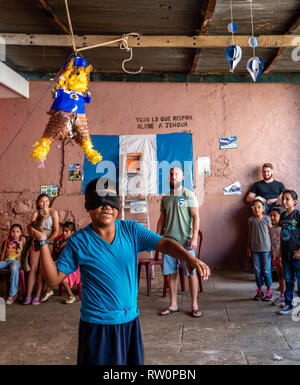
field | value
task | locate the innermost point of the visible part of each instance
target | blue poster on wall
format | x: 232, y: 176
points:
x: 170, y: 150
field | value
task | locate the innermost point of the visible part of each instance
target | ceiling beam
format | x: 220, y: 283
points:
x: 208, y: 11
x: 264, y: 41
x: 52, y: 16
x: 280, y: 51
x: 12, y: 81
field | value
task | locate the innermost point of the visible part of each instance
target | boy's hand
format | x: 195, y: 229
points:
x: 297, y: 254
x: 200, y: 266
x: 35, y: 234
x: 248, y: 252
x: 193, y: 243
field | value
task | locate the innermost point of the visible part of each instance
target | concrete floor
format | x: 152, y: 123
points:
x: 234, y: 329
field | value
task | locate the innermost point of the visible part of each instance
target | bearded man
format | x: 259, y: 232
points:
x: 268, y: 189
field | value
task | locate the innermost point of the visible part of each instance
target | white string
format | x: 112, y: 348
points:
x: 124, y: 45
x: 232, y: 34
x: 252, y: 26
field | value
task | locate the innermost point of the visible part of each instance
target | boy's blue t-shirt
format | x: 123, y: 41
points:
x: 109, y: 272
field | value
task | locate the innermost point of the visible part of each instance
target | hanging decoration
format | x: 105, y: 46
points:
x: 255, y: 64
x: 67, y: 113
x: 233, y: 52
x: 233, y: 55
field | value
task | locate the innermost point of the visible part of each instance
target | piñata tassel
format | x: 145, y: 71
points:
x: 42, y: 147
x: 92, y: 155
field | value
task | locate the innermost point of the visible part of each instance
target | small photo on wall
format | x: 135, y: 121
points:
x: 74, y: 171
x: 203, y: 165
x: 228, y: 142
x: 233, y: 189
x: 50, y: 189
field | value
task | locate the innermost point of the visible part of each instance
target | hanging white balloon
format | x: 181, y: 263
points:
x: 253, y: 42
x: 232, y: 27
x: 255, y: 66
x: 233, y: 55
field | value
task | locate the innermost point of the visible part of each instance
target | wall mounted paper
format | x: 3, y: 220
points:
x: 145, y: 181
x: 228, y: 142
x: 74, y: 171
x: 109, y: 167
x: 50, y: 189
x: 203, y: 165
x: 160, y: 152
x: 234, y: 188
x: 176, y: 150
x: 138, y: 207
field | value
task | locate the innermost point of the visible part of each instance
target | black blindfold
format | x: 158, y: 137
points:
x: 93, y: 200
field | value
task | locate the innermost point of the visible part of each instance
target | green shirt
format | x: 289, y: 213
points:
x: 178, y: 220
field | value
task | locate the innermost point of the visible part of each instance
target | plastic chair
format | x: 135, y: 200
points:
x: 6, y: 273
x: 148, y: 263
x: 181, y: 271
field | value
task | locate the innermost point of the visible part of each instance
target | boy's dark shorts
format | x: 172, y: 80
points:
x: 120, y: 344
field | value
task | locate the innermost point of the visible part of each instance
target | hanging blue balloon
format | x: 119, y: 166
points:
x: 232, y: 27
x: 253, y: 42
x: 254, y: 66
x: 233, y: 55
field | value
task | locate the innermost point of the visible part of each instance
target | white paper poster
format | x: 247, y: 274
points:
x: 203, y: 165
x: 234, y: 188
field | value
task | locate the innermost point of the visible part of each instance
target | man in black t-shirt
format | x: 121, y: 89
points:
x: 268, y: 189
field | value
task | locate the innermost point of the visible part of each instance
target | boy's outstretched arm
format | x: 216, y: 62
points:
x: 52, y: 276
x: 167, y: 246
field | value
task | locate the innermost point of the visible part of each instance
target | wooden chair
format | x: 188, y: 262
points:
x: 6, y: 274
x: 181, y: 271
x: 148, y: 263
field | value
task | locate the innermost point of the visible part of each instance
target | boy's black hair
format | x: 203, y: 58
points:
x: 278, y: 209
x: 40, y: 197
x: 70, y: 225
x: 260, y: 201
x: 16, y: 225
x: 292, y: 193
x: 105, y: 182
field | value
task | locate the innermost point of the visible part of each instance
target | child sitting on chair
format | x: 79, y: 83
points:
x: 11, y: 256
x: 72, y: 279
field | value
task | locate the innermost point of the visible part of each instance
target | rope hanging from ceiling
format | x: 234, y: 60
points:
x: 123, y: 43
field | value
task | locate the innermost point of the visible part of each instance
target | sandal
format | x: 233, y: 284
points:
x: 70, y: 299
x: 35, y: 301
x: 168, y: 311
x: 27, y: 301
x: 196, y: 313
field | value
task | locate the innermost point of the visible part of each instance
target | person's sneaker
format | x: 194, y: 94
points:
x: 278, y: 301
x: 285, y: 310
x: 259, y: 295
x: 47, y: 295
x: 10, y: 300
x: 268, y: 296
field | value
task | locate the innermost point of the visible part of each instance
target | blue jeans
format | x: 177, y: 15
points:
x: 291, y: 268
x: 14, y: 275
x: 262, y: 267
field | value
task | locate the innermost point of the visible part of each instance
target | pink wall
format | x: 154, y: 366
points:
x: 264, y: 117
